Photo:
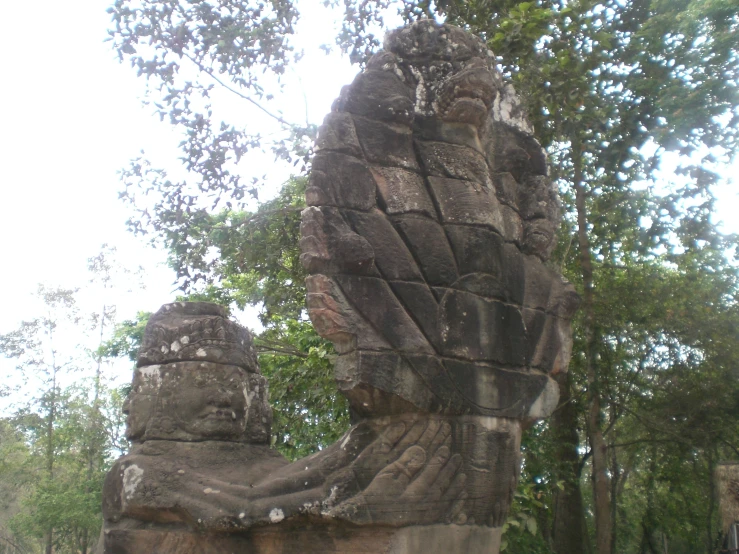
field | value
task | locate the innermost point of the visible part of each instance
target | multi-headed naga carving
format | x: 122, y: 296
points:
x: 430, y: 218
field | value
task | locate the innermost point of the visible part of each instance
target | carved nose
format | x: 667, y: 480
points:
x: 220, y: 398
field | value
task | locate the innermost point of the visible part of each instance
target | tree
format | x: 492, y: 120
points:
x: 35, y: 346
x: 603, y: 80
x: 62, y: 438
x: 610, y: 86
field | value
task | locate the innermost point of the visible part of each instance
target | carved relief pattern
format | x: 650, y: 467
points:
x: 431, y: 216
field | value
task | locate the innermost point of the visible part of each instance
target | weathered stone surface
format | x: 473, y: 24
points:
x: 340, y: 180
x: 392, y: 256
x: 375, y: 300
x: 539, y: 208
x: 476, y: 328
x: 403, y: 191
x: 506, y: 188
x: 466, y: 202
x: 430, y: 219
x: 550, y: 341
x: 422, y: 307
x: 335, y: 318
x: 196, y: 331
x: 430, y: 247
x: 449, y: 132
x: 499, y: 390
x: 483, y: 251
x: 383, y: 383
x: 337, y: 134
x: 386, y: 144
x: 378, y: 94
x: 330, y: 246
x: 457, y: 162
x: 511, y: 150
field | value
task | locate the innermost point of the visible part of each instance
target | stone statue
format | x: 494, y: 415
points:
x: 430, y: 218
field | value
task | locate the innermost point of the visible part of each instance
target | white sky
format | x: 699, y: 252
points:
x: 73, y: 117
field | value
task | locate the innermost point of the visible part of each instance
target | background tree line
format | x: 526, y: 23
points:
x: 61, y: 423
x: 651, y: 402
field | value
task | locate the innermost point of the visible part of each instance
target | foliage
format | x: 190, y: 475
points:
x: 256, y: 263
x: 65, y: 427
x: 309, y: 412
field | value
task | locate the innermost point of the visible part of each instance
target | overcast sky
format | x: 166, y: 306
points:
x: 73, y: 117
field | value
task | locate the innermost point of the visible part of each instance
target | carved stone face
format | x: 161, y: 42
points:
x: 211, y: 403
x: 188, y: 401
x: 452, y: 73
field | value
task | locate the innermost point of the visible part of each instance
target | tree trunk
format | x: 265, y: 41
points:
x: 569, y: 535
x: 601, y: 486
x: 649, y: 523
x: 711, y: 501
x: 50, y: 421
x: 615, y: 484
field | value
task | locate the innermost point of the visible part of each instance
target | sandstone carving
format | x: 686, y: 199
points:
x: 430, y: 218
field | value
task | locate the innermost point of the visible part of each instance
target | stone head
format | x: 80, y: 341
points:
x: 188, y: 399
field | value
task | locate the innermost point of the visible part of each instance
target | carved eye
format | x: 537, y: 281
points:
x: 199, y: 380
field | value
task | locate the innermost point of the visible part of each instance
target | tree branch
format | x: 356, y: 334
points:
x: 213, y: 76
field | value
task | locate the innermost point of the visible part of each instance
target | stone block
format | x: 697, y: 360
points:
x: 402, y: 191
x: 335, y: 317
x: 380, y: 95
x: 382, y: 383
x: 386, y: 144
x: 337, y: 134
x: 476, y: 328
x: 460, y: 134
x: 503, y: 392
x: 330, y: 246
x: 342, y: 181
x: 422, y: 307
x: 467, y: 203
x: 377, y: 303
x: 457, y: 162
x: 506, y: 187
x: 430, y: 247
x: 392, y: 256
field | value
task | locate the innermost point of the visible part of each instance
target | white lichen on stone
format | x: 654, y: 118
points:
x: 132, y: 476
x: 276, y: 515
x: 507, y: 109
x: 150, y: 375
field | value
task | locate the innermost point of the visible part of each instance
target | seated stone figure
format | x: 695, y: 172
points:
x: 430, y: 220
x: 200, y: 458
x: 197, y: 413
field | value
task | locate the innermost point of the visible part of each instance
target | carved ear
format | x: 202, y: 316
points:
x: 539, y: 207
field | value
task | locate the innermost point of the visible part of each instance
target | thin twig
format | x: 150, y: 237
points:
x: 213, y: 76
